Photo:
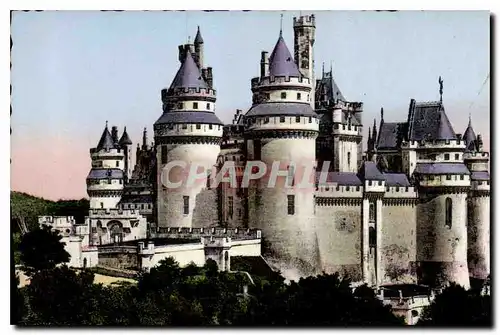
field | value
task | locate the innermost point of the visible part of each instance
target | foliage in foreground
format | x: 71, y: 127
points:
x: 195, y: 296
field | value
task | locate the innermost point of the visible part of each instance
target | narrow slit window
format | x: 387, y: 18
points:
x: 291, y: 204
x: 186, y: 204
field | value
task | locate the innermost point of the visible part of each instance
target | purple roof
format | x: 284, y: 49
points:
x: 188, y: 75
x: 125, y: 139
x: 480, y: 175
x: 369, y: 171
x: 441, y: 168
x: 105, y: 174
x: 390, y: 134
x: 341, y: 178
x: 396, y: 179
x: 428, y: 121
x: 189, y: 117
x: 281, y: 108
x: 281, y: 61
x: 106, y: 142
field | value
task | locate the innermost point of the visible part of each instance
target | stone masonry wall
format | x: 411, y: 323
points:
x: 339, y: 231
x: 399, y: 240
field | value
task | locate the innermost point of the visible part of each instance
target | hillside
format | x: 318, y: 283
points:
x: 25, y: 209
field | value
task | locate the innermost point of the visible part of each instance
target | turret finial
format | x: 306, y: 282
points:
x: 470, y: 119
x: 440, y: 89
x: 323, y: 70
x: 331, y: 68
x: 281, y: 26
x: 106, y: 123
x: 382, y: 114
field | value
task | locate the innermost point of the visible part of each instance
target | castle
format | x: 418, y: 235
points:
x: 414, y: 207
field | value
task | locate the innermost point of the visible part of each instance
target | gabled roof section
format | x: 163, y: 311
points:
x: 106, y: 141
x: 428, y: 121
x: 390, y: 135
x: 327, y: 85
x: 369, y: 171
x: 125, y: 139
x: 396, y: 179
x: 281, y: 61
x: 470, y: 137
x: 340, y: 178
x: 188, y: 75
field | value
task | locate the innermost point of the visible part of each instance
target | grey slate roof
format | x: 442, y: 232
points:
x: 281, y: 108
x: 188, y: 75
x: 441, y: 168
x: 480, y: 175
x: 125, y: 139
x: 189, y: 117
x: 106, y: 141
x: 470, y: 138
x: 281, y: 61
x: 328, y: 85
x: 396, y: 179
x: 369, y: 171
x: 198, y: 39
x: 390, y: 135
x: 105, y: 174
x: 341, y: 178
x: 429, y: 122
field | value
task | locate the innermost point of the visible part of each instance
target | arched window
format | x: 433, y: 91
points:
x: 372, y: 212
x: 348, y: 160
x: 226, y: 261
x: 84, y: 263
x: 448, y: 212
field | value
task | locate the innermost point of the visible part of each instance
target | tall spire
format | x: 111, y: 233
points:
x: 125, y: 139
x: 145, y: 138
x: 440, y: 89
x: 323, y: 70
x: 281, y: 26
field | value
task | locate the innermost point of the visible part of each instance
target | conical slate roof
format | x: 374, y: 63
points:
x: 429, y: 122
x: 470, y: 137
x: 125, y: 139
x: 198, y: 39
x: 281, y: 61
x: 189, y: 75
x: 106, y: 141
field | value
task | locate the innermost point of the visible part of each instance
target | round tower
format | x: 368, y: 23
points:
x: 443, y: 183
x: 105, y: 180
x: 478, y: 206
x: 187, y: 133
x: 281, y: 130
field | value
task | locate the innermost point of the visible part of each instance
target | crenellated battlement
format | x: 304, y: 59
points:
x: 170, y: 94
x: 306, y: 20
x: 258, y: 83
x: 339, y: 191
x: 184, y: 232
x: 435, y: 144
x: 112, y: 212
x: 476, y: 155
x: 57, y: 221
x: 400, y: 192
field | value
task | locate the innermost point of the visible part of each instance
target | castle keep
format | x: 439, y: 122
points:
x: 411, y: 207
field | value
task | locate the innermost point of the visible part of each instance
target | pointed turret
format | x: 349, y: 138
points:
x: 145, y: 139
x: 106, y: 141
x: 470, y: 137
x: 125, y: 139
x: 198, y: 39
x: 281, y: 62
x: 189, y: 75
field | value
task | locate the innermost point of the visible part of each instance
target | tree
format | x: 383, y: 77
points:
x: 42, y: 249
x: 456, y: 306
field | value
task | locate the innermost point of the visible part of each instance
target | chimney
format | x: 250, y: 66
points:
x: 264, y: 64
x: 114, y: 134
x: 210, y: 79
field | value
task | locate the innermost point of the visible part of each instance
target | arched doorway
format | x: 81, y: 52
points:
x: 115, y: 231
x: 85, y: 263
